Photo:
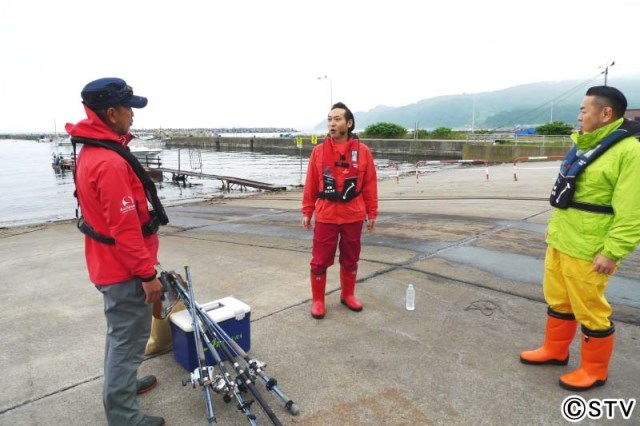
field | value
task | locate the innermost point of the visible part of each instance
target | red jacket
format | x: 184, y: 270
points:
x: 113, y: 203
x: 358, y: 209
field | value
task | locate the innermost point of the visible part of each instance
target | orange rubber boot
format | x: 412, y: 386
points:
x: 597, y: 348
x: 559, y: 333
x: 348, y: 284
x: 318, y: 284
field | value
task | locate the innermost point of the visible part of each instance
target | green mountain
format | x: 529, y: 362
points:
x: 525, y: 105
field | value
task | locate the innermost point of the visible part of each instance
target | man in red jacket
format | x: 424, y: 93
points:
x: 120, y: 249
x: 342, y: 189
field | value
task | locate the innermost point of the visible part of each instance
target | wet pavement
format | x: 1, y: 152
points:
x: 472, y: 247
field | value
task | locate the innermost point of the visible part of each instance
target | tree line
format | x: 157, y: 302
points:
x: 386, y: 130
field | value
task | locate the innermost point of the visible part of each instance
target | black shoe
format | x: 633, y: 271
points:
x: 145, y: 384
x: 152, y: 421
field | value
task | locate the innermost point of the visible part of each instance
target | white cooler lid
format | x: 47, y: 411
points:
x: 218, y: 310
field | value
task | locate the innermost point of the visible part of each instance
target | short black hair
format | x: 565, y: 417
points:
x: 347, y: 114
x: 611, y: 97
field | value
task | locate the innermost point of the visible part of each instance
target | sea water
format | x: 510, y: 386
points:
x: 33, y: 192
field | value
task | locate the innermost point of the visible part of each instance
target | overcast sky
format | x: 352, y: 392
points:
x: 252, y: 63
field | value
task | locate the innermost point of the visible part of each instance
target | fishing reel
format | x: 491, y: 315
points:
x: 217, y: 383
x: 256, y: 366
x: 197, y: 378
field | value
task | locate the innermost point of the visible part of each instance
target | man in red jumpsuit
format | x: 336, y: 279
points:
x: 342, y: 189
x: 120, y: 245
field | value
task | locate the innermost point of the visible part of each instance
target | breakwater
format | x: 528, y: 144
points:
x: 508, y: 153
x: 397, y: 149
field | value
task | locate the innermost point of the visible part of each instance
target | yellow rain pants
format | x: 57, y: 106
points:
x: 572, y: 286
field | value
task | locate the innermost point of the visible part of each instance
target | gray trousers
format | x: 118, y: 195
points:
x: 128, y: 328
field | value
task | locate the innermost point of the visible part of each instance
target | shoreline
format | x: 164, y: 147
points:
x: 175, y: 203
x: 219, y: 197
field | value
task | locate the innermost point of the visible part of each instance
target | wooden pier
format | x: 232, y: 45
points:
x: 228, y: 182
x: 177, y: 175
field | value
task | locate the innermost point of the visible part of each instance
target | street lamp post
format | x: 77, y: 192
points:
x: 606, y: 71
x: 330, y: 89
x: 473, y: 116
x: 473, y: 111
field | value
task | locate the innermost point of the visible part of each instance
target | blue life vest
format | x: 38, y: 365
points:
x: 575, y: 162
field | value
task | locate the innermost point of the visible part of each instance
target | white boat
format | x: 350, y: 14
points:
x: 58, y: 140
x: 145, y: 138
x: 142, y: 151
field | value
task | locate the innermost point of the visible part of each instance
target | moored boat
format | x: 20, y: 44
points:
x: 144, y: 151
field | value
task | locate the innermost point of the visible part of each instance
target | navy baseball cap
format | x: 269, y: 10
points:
x: 107, y: 92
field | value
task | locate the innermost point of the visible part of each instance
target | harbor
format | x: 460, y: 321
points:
x: 473, y: 249
x: 226, y: 101
x: 37, y: 190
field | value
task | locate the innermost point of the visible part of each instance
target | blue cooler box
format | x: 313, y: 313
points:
x: 232, y: 315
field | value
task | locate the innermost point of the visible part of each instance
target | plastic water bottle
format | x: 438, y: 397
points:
x: 411, y: 297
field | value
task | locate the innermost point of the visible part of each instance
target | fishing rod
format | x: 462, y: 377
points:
x: 203, y: 374
x: 244, y: 379
x: 256, y: 367
x: 220, y: 384
x: 226, y: 385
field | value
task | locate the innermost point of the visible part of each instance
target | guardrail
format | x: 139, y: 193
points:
x: 524, y: 159
x: 397, y: 167
x: 447, y: 162
x: 389, y: 165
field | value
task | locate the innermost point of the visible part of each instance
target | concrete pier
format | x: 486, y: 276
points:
x: 472, y: 247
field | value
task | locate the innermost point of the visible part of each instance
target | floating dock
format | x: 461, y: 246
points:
x: 68, y: 165
x: 177, y: 175
x: 64, y: 165
x: 228, y: 182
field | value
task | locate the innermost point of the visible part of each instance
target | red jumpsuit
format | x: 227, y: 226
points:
x: 334, y: 218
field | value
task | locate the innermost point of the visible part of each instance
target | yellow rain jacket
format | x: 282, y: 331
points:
x: 613, y: 179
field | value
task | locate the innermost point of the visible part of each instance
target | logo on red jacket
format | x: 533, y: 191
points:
x: 127, y: 204
x: 354, y: 159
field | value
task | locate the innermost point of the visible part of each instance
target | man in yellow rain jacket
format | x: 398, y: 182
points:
x: 589, y: 234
